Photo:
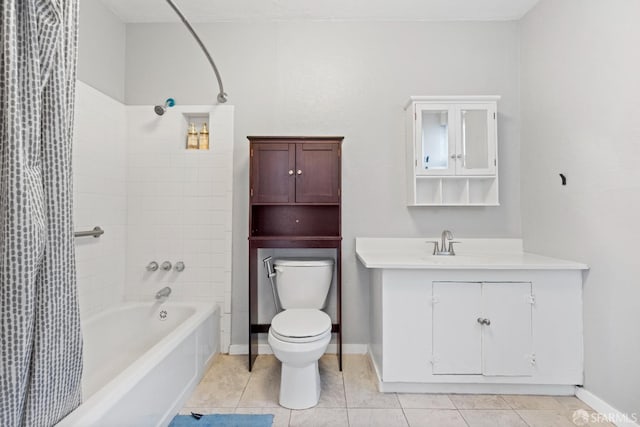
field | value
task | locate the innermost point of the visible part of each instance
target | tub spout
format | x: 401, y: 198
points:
x: 163, y: 293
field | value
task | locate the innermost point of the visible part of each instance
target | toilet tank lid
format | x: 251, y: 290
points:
x: 303, y: 262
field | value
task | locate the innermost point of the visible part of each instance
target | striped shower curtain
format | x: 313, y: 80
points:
x: 40, y: 340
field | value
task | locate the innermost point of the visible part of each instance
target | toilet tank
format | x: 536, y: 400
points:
x: 303, y: 282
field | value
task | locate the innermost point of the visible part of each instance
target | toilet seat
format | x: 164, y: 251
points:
x: 300, y: 325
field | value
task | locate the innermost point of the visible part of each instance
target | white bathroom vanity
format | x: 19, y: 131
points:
x: 491, y: 319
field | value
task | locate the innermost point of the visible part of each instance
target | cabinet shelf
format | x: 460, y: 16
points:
x: 294, y: 203
x: 455, y: 191
x: 296, y: 238
x: 295, y: 220
x: 417, y: 205
x: 451, y: 151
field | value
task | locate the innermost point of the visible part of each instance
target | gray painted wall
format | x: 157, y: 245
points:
x: 580, y: 107
x: 101, y: 49
x: 341, y: 78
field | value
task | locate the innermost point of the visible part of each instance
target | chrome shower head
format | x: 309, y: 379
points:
x: 160, y: 109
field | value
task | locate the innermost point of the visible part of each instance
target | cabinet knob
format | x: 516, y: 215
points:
x: 290, y: 171
x: 484, y: 321
x: 487, y: 322
x: 299, y: 172
x: 453, y: 156
x: 481, y: 320
x: 459, y: 156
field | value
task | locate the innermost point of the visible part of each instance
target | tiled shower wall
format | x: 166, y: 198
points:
x: 100, y: 198
x: 179, y: 205
x: 155, y: 200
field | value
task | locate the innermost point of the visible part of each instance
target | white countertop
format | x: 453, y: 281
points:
x: 471, y: 254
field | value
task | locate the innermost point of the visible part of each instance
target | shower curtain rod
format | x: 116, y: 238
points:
x: 222, y: 96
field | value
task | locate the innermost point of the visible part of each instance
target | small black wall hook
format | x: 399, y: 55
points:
x: 563, y: 178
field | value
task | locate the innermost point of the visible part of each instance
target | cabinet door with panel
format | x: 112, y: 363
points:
x: 317, y: 173
x: 457, y: 339
x: 507, y: 335
x: 295, y: 173
x: 482, y: 328
x: 435, y: 139
x: 476, y: 139
x: 272, y: 171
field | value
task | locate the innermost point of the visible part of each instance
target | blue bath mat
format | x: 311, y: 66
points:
x: 223, y: 420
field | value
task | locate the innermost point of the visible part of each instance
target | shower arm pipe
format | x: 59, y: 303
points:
x: 222, y: 96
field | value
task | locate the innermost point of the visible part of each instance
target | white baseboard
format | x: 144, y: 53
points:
x: 468, y: 388
x: 332, y: 349
x: 609, y: 412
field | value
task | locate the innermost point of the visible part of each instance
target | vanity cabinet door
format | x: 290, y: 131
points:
x: 482, y: 329
x: 508, y: 340
x: 457, y: 338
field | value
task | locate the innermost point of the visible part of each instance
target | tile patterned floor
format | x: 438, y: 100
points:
x: 350, y: 398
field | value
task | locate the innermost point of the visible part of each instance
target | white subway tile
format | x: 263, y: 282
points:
x: 156, y: 201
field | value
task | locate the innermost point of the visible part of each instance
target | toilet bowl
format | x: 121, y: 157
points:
x: 300, y: 334
x: 298, y: 338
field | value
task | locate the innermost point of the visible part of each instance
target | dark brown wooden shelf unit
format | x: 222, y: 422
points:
x: 294, y: 202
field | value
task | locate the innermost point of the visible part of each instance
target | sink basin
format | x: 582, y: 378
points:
x: 454, y: 259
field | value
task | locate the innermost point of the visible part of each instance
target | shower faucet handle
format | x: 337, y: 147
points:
x: 152, y: 266
x: 166, y: 266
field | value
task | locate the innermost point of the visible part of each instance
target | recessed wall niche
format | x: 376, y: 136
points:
x: 196, y: 126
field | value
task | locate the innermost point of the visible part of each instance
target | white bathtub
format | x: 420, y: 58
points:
x: 141, y: 362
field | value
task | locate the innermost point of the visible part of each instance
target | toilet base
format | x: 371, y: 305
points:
x: 300, y: 386
x: 300, y: 377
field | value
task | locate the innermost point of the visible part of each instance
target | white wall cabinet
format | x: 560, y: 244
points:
x: 491, y: 323
x: 425, y: 334
x: 451, y: 151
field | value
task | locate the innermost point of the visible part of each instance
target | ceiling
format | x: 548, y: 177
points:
x: 339, y: 10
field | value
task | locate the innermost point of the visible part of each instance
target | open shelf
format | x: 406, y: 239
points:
x: 483, y: 191
x: 456, y: 191
x: 296, y: 238
x: 295, y: 220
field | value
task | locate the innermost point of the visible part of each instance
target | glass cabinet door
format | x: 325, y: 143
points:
x: 476, y: 153
x: 435, y: 143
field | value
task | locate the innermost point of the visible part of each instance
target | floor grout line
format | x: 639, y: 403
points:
x: 406, y: 419
x: 363, y: 390
x: 344, y: 390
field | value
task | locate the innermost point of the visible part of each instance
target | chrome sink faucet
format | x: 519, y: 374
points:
x: 446, y: 234
x: 163, y: 293
x: 444, y: 248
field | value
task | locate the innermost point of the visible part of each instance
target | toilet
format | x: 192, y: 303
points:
x: 300, y: 334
